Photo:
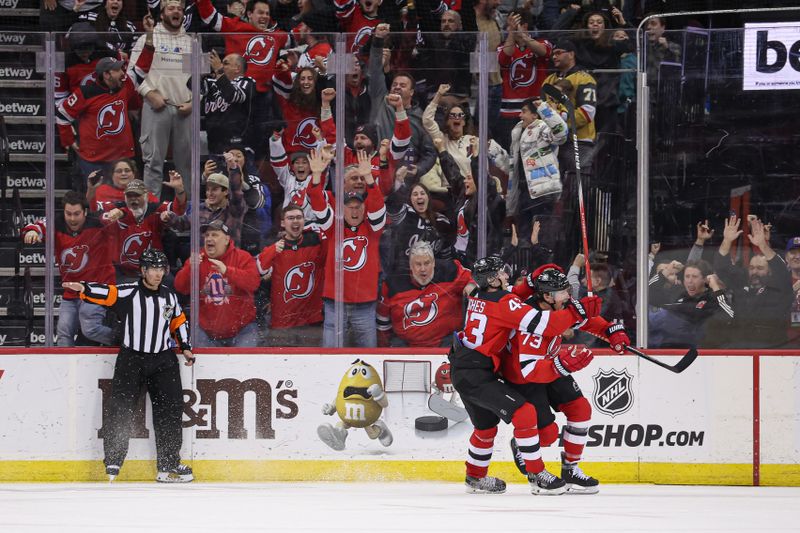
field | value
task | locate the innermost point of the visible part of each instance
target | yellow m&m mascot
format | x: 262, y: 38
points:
x: 359, y: 403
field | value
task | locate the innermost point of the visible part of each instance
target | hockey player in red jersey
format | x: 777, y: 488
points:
x: 492, y: 313
x: 296, y: 266
x: 540, y: 369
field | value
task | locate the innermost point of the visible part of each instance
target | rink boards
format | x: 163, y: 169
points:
x: 728, y: 419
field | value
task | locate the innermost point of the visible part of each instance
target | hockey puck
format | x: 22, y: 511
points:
x: 431, y: 423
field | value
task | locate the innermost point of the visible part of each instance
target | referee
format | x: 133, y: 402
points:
x: 150, y: 313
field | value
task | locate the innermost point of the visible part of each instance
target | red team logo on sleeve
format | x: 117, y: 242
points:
x: 421, y: 311
x: 111, y: 119
x: 304, y: 135
x: 133, y: 246
x: 354, y: 253
x: 522, y: 72
x: 260, y: 49
x: 75, y: 259
x: 299, y: 281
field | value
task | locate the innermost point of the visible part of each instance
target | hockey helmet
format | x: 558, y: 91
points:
x: 485, y: 270
x: 153, y: 258
x: 549, y: 278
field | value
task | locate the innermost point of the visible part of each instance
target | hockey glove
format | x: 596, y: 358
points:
x: 618, y: 338
x: 570, y: 359
x: 592, y: 305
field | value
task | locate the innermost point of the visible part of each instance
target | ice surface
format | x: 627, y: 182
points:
x: 388, y: 507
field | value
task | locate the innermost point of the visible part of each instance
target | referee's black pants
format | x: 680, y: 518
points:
x: 160, y: 372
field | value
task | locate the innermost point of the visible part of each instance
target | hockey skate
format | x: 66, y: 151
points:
x: 112, y: 471
x: 179, y: 474
x: 577, y: 481
x: 519, y: 462
x: 485, y: 485
x: 379, y: 431
x: 546, y: 484
x: 332, y: 436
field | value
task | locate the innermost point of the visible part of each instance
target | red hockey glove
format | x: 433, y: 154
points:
x: 570, y: 359
x: 618, y: 338
x: 592, y: 305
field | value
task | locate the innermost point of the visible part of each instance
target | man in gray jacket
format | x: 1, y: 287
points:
x: 383, y: 114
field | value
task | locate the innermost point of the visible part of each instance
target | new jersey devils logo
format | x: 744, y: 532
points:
x: 462, y: 230
x: 298, y: 281
x: 304, y: 135
x: 354, y: 253
x: 111, y: 119
x: 522, y: 72
x: 74, y: 259
x: 260, y: 49
x: 133, y: 246
x: 420, y: 312
x: 361, y: 38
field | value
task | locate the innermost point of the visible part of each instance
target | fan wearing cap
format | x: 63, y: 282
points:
x: 84, y: 50
x: 384, y: 154
x: 228, y: 282
x: 364, y: 218
x: 292, y: 173
x: 104, y: 195
x: 99, y: 111
x: 582, y: 94
x: 167, y: 107
x: 139, y: 224
x: 224, y: 201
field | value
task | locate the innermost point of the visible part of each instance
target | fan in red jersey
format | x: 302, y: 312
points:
x: 492, y: 314
x: 422, y: 308
x: 83, y: 250
x: 540, y: 369
x: 296, y: 267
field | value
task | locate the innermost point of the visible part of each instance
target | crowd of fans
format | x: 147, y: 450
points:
x: 411, y: 166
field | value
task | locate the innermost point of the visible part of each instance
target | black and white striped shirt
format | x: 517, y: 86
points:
x: 149, y: 316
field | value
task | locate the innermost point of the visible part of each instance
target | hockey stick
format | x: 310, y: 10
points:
x: 679, y: 367
x: 558, y: 96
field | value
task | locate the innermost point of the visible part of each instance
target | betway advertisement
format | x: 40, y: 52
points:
x: 307, y: 407
x: 771, y: 59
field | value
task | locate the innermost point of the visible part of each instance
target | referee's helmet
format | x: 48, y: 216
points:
x: 152, y: 258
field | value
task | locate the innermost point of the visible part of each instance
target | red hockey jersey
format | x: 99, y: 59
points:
x: 133, y: 238
x: 491, y: 316
x: 298, y: 274
x: 226, y: 300
x: 360, y: 253
x: 298, y: 135
x: 259, y: 48
x: 81, y: 256
x: 355, y: 23
x: 523, y: 75
x: 104, y: 128
x: 423, y: 316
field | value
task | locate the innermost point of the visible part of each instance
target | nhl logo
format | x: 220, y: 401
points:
x: 612, y: 392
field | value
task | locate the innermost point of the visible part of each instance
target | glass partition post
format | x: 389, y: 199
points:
x: 642, y: 187
x: 483, y: 136
x: 340, y: 67
x: 50, y: 171
x: 195, y: 69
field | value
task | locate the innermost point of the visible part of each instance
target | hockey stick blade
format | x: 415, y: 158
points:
x: 553, y: 92
x: 679, y: 367
x: 442, y: 407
